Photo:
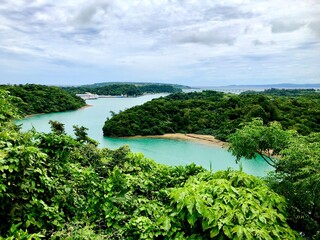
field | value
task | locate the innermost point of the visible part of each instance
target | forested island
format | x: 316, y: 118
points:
x: 125, y: 89
x: 34, y: 99
x: 218, y: 114
x: 54, y: 186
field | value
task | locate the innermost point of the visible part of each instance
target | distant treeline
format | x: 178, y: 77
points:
x: 286, y: 92
x: 33, y: 99
x: 217, y: 113
x: 102, y: 84
x: 124, y: 89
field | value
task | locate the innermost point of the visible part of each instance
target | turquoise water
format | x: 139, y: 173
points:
x: 166, y: 151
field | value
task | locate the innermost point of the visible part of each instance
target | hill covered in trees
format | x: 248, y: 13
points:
x: 217, y: 113
x: 33, y: 99
x: 54, y: 186
x: 102, y: 84
x: 128, y: 89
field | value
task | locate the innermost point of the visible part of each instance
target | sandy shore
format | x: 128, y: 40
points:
x: 86, y: 106
x: 31, y: 115
x: 204, y: 139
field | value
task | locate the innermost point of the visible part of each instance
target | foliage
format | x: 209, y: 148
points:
x: 42, y: 99
x: 57, y: 127
x: 230, y: 205
x: 298, y: 179
x: 82, y: 135
x: 296, y: 160
x: 254, y: 138
x: 215, y: 113
x: 124, y: 89
x: 8, y: 111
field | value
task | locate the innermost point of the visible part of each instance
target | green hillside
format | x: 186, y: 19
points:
x: 217, y: 113
x: 128, y: 89
x: 33, y: 99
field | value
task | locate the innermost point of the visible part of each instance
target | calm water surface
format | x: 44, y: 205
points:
x: 166, y: 151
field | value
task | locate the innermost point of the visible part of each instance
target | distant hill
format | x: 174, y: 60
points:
x: 280, y: 85
x: 123, y: 89
x: 35, y: 98
x: 102, y: 84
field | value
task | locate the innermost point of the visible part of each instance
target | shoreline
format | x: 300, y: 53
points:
x: 86, y: 106
x: 31, y: 115
x: 204, y: 139
x: 36, y: 114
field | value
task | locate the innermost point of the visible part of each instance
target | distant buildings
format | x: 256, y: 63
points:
x: 91, y: 96
x: 88, y: 96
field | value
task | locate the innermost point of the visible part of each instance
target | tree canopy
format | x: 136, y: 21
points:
x: 296, y: 160
x: 33, y: 99
x: 297, y: 178
x: 255, y: 138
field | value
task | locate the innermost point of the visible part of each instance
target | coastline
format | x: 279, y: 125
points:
x: 31, y: 115
x: 35, y: 114
x: 204, y: 139
x: 86, y: 106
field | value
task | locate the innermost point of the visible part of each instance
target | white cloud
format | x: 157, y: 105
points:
x: 172, y: 39
x: 217, y: 34
x: 285, y: 26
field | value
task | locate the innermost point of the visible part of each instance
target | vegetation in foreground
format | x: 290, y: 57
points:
x: 296, y: 160
x: 54, y: 186
x: 34, y: 98
x: 217, y: 114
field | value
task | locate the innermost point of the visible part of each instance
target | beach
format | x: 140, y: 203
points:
x: 204, y: 139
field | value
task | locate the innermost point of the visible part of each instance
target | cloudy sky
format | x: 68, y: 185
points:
x: 192, y: 42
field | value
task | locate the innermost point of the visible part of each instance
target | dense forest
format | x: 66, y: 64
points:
x: 217, y: 113
x: 33, y: 99
x: 124, y: 89
x: 54, y: 186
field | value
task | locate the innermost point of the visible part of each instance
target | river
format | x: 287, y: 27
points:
x: 165, y: 151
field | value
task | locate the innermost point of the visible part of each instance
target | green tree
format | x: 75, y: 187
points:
x: 8, y: 111
x: 298, y: 179
x: 254, y: 138
x: 82, y: 135
x: 296, y: 160
x: 57, y: 127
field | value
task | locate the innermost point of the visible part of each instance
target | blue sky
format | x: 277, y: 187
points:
x: 196, y: 43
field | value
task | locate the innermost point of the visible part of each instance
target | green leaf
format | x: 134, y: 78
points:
x: 214, y: 232
x: 227, y: 231
x: 192, y: 218
x: 166, y: 224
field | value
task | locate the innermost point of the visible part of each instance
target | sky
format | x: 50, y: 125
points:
x: 190, y: 42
